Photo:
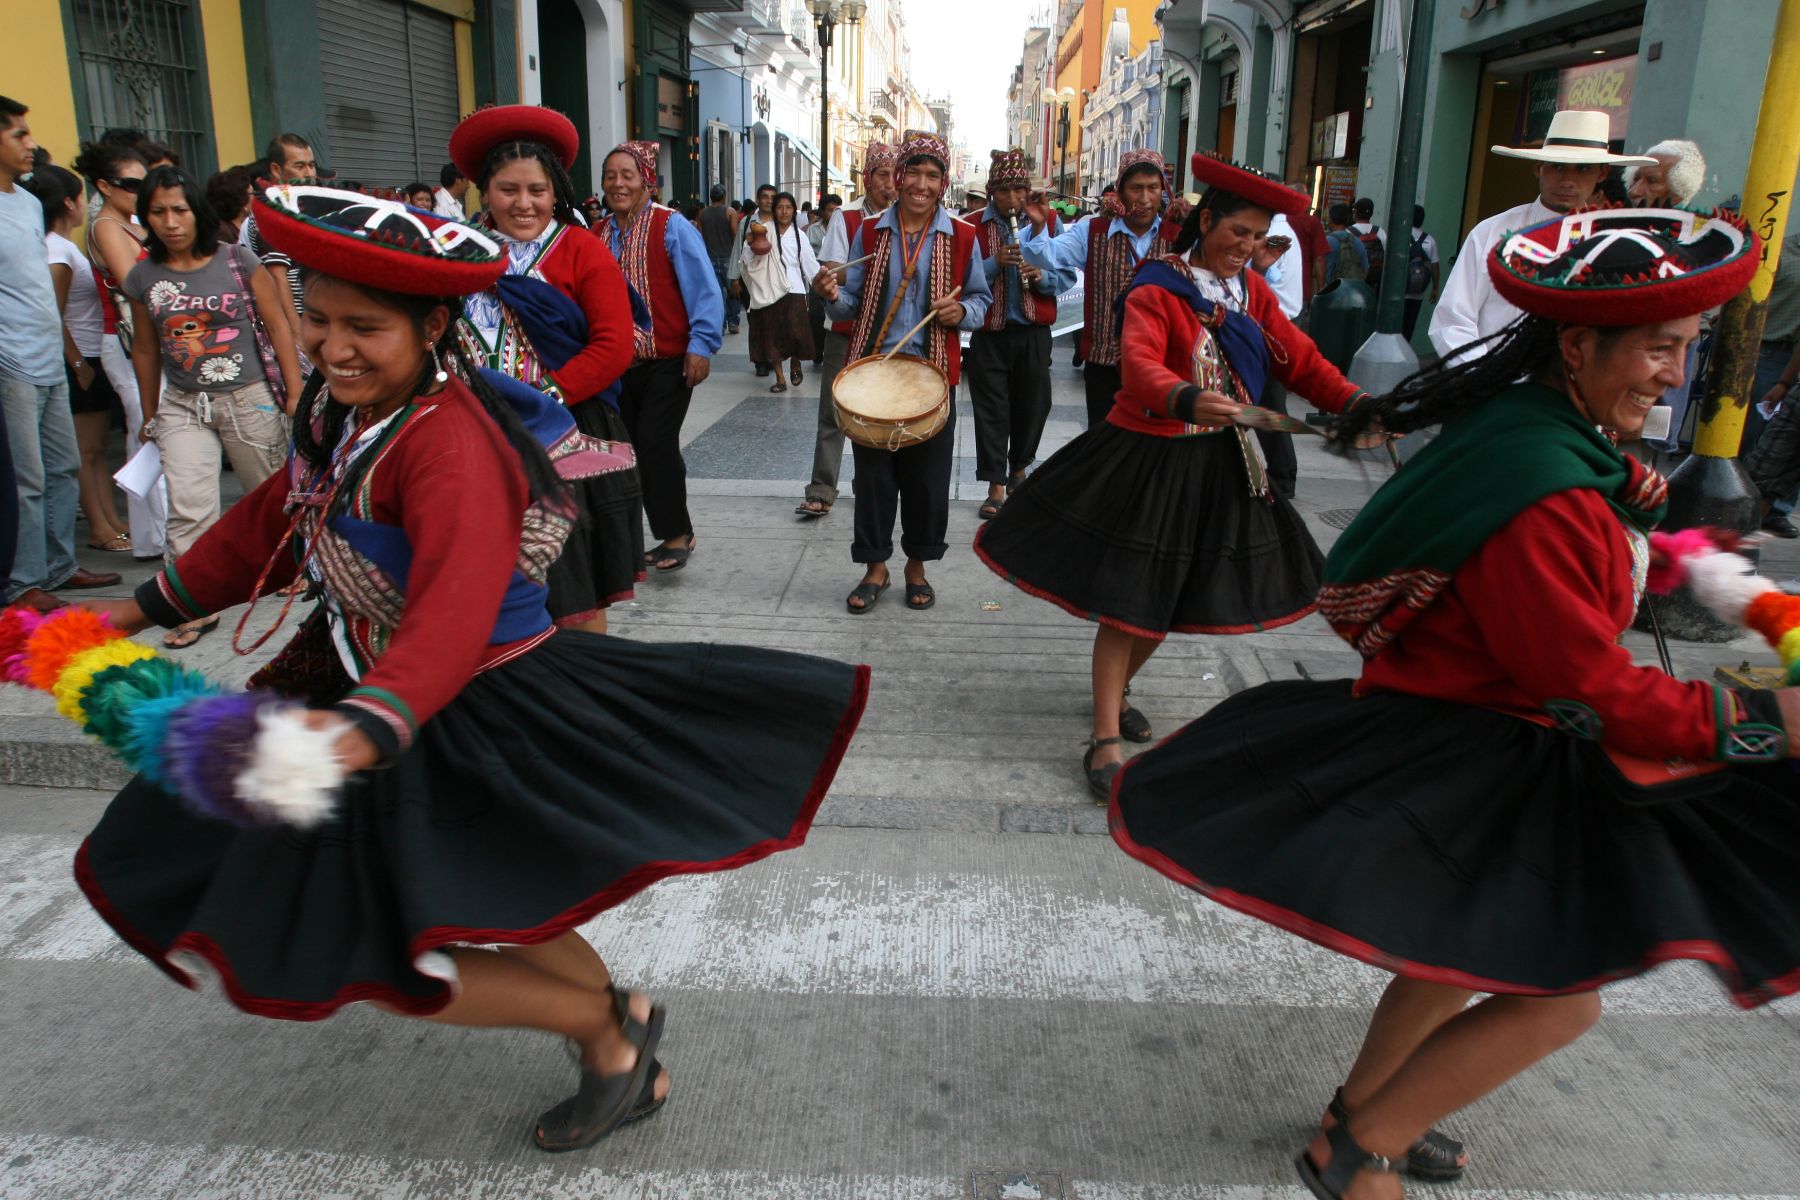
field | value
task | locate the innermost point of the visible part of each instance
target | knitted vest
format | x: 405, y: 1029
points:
x: 943, y: 346
x: 1039, y: 309
x: 1110, y: 264
x: 644, y: 257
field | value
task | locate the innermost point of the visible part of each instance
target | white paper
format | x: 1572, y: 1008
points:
x: 140, y: 475
x: 1656, y: 423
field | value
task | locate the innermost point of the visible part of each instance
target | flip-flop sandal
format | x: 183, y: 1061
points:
x: 117, y: 543
x: 677, y: 557
x: 1100, y: 779
x: 868, y: 593
x: 990, y: 509
x: 603, y: 1102
x: 184, y: 631
x: 811, y: 513
x: 915, y: 591
x: 1435, y: 1157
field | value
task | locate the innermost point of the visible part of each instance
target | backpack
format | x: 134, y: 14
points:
x: 1347, y: 264
x: 1418, y: 268
x: 1377, y: 253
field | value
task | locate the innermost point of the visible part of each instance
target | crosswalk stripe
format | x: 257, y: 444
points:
x: 1086, y: 925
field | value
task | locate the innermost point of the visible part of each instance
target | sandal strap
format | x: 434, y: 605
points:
x: 1347, y: 1158
x: 1096, y: 743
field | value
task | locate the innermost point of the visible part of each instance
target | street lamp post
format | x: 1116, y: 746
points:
x: 1062, y: 99
x: 826, y: 15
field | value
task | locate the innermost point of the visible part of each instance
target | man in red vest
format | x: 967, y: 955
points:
x: 1009, y: 356
x: 879, y: 161
x: 1108, y: 249
x: 920, y: 256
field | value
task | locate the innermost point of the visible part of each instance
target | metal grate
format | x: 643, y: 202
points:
x: 1339, y: 518
x: 140, y: 68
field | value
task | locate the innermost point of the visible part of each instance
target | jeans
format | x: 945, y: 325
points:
x: 191, y: 430
x: 721, y: 267
x: 45, y: 462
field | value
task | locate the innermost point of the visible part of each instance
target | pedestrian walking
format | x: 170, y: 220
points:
x: 879, y: 163
x: 718, y: 229
x: 778, y: 267
x: 1161, y: 519
x: 923, y: 281
x: 1503, y: 802
x: 559, y: 319
x: 1423, y: 274
x: 529, y: 778
x: 1008, y: 363
x: 214, y: 373
x: 665, y: 262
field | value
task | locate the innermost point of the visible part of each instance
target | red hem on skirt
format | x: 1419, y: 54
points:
x: 437, y: 937
x: 1126, y: 626
x: 1702, y: 950
x: 578, y: 618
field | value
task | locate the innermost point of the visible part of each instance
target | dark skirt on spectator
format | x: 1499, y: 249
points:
x: 781, y: 331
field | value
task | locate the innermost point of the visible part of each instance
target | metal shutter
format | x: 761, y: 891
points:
x: 388, y: 71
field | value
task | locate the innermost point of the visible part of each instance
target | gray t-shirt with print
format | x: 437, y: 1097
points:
x: 203, y: 319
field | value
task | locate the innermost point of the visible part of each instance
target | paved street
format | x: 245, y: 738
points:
x: 955, y: 989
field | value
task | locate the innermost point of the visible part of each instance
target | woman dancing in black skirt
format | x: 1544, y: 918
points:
x: 532, y: 777
x: 1160, y: 519
x: 1493, y: 807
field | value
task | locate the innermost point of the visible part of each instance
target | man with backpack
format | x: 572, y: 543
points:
x: 1374, y: 241
x: 1346, y: 258
x: 1422, y: 272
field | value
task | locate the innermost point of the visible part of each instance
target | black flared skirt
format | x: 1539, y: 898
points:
x: 1462, y: 846
x: 553, y: 787
x: 603, y: 561
x: 1153, y: 536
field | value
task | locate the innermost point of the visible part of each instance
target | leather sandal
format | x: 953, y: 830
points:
x: 1100, y: 779
x: 603, y: 1102
x: 1347, y: 1158
x: 1435, y: 1157
x: 647, y: 1102
x: 868, y: 593
x: 1134, y: 725
x: 920, y: 592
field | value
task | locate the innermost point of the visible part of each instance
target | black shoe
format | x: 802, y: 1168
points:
x: 1780, y: 526
x: 762, y: 369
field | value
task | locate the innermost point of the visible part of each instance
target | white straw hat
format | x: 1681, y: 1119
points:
x: 1579, y: 137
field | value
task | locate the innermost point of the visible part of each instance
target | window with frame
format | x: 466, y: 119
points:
x: 140, y: 64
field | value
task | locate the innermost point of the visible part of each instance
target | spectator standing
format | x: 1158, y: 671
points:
x: 762, y: 213
x: 1309, y: 231
x: 1423, y: 274
x: 419, y: 195
x: 1676, y: 178
x: 208, y: 361
x: 1772, y: 449
x: 718, y: 229
x: 1374, y: 240
x: 448, y: 200
x: 290, y: 158
x: 825, y: 219
x: 115, y: 243
x: 34, y: 390
x: 779, y: 269
x: 91, y: 398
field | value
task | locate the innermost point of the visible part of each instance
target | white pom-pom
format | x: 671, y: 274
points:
x: 293, y: 776
x: 1725, y: 583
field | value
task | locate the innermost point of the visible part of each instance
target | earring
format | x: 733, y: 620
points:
x: 431, y: 351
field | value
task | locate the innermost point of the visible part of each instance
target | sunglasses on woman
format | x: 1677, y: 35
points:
x: 129, y: 183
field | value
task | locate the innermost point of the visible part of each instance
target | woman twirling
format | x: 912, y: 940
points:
x: 1493, y: 807
x: 779, y: 275
x: 1160, y: 519
x: 533, y: 777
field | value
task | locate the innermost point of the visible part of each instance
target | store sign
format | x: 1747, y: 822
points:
x: 1337, y: 187
x: 1601, y: 87
x: 1331, y: 137
x: 671, y: 104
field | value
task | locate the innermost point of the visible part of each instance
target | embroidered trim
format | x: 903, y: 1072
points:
x: 1575, y: 718
x: 378, y: 708
x: 1370, y: 615
x: 176, y: 593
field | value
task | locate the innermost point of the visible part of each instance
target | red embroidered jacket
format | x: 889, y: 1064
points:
x: 583, y: 269
x: 454, y: 484
x: 1529, y: 625
x: 1156, y: 358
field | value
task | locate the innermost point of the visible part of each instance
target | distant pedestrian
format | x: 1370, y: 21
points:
x: 1423, y: 274
x: 718, y: 229
x: 778, y: 268
x: 419, y: 195
x: 228, y: 192
x: 447, y: 201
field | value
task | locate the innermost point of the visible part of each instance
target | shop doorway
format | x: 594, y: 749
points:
x: 562, y: 53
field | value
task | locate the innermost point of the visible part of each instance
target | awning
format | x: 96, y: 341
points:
x: 807, y: 150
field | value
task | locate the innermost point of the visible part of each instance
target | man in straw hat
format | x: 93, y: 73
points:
x: 1009, y: 356
x: 1570, y: 165
x: 879, y: 162
x: 922, y: 283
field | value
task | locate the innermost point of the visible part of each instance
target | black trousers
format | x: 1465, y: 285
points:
x: 1008, y: 371
x: 1278, y: 448
x: 1409, y: 320
x: 654, y: 404
x: 914, y: 484
x: 1102, y: 385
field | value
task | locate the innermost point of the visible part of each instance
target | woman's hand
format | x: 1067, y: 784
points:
x: 1268, y: 253
x: 84, y: 375
x: 353, y: 748
x: 1215, y: 408
x: 125, y: 615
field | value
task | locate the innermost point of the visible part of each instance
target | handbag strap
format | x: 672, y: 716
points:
x: 264, y: 350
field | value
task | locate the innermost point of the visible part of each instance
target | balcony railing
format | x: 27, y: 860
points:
x: 882, y: 105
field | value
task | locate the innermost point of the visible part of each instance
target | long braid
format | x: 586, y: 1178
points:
x: 1525, y: 349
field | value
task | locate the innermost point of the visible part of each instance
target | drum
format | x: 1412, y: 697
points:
x: 891, y: 403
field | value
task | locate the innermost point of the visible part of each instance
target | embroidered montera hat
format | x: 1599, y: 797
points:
x: 1139, y: 158
x: 1264, y: 191
x: 643, y: 154
x: 1625, y: 266
x: 1007, y: 169
x: 921, y: 142
x: 377, y: 243
x: 485, y: 128
x: 879, y: 155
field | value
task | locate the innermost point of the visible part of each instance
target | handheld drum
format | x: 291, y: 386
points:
x: 889, y: 402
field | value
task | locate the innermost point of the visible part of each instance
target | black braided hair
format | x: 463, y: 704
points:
x: 315, y: 446
x: 561, y: 186
x: 1215, y: 200
x: 1525, y: 349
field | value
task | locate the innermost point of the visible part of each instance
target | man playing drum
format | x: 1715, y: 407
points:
x: 879, y: 162
x: 1009, y: 357
x: 924, y: 282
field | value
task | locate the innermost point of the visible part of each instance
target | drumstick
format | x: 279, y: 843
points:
x: 846, y: 266
x: 908, y: 335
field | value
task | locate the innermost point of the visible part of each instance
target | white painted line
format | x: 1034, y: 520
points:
x: 1125, y: 935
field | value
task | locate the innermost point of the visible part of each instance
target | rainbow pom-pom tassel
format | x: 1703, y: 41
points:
x: 247, y: 758
x: 1706, y: 560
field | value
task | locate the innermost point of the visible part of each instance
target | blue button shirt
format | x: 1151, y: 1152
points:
x: 700, y: 293
x: 1051, y: 283
x: 975, y: 298
x: 1067, y: 251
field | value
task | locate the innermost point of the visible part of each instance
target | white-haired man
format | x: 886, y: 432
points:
x: 1677, y: 177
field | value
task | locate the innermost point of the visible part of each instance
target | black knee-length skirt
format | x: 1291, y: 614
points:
x: 553, y: 787
x: 603, y: 559
x: 1155, y: 535
x: 1467, y: 847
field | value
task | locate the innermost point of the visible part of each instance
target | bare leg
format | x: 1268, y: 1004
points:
x: 570, y: 958
x: 594, y: 624
x: 1410, y: 1011
x: 104, y: 523
x: 1117, y: 656
x: 1467, y: 1057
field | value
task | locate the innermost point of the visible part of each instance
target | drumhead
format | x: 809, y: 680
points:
x: 901, y: 388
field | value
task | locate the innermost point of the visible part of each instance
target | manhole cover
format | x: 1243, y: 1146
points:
x: 1011, y: 1184
x: 1339, y: 518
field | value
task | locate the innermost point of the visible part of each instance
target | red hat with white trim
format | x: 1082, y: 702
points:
x: 377, y: 243
x: 479, y: 132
